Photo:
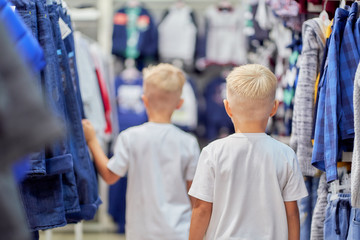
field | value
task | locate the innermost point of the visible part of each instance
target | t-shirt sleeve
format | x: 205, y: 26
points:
x: 203, y: 184
x: 295, y: 188
x: 194, y: 157
x: 119, y: 163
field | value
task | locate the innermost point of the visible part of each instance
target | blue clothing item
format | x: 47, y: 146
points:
x: 130, y: 107
x: 86, y: 181
x: 349, y: 59
x: 70, y: 49
x: 20, y: 168
x: 307, y: 206
x: 216, y: 116
x: 25, y: 42
x: 337, y: 217
x: 326, y: 130
x: 70, y: 194
x: 146, y: 36
x: 43, y: 201
x: 117, y: 203
x: 45, y: 206
x: 318, y: 149
x: 27, y: 12
x: 322, y: 68
x: 354, y: 228
x: 357, y: 34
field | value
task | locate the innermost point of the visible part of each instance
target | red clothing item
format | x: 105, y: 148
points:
x: 302, y: 6
x: 106, y: 100
x: 331, y: 6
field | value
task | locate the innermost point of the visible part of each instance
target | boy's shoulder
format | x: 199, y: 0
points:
x: 268, y: 142
x: 150, y: 128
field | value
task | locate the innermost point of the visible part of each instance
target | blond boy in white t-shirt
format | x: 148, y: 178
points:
x: 160, y: 160
x: 247, y: 185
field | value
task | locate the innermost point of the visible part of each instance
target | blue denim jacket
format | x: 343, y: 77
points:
x: 66, y: 192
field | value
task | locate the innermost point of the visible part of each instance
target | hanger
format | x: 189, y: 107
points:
x: 324, y: 16
x: 130, y: 73
x: 225, y: 5
x: 342, y: 3
x: 133, y: 3
x: 344, y: 187
x: 180, y: 3
x: 178, y: 63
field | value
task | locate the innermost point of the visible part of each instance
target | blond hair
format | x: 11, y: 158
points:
x: 163, y: 86
x: 251, y: 92
x: 252, y: 81
x: 165, y: 77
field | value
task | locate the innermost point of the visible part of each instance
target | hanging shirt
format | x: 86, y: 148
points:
x: 187, y: 116
x: 311, y: 56
x: 325, y: 156
x: 355, y: 167
x: 357, y: 34
x: 225, y: 40
x: 130, y: 107
x: 349, y: 59
x: 135, y: 33
x: 89, y: 86
x: 177, y: 35
x: 216, y: 117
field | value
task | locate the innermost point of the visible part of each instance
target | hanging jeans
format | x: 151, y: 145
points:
x: 43, y: 193
x: 27, y: 12
x: 70, y: 49
x: 86, y: 180
x: 354, y: 229
x: 337, y: 217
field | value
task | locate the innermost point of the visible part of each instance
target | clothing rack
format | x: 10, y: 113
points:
x: 78, y: 232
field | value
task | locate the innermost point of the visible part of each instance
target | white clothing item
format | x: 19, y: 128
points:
x: 225, y: 42
x: 355, y: 166
x: 177, y: 35
x: 313, y: 39
x: 282, y: 37
x: 159, y: 159
x: 247, y: 177
x: 89, y: 87
x: 186, y: 116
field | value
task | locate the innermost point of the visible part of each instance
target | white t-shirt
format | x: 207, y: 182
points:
x: 247, y: 177
x: 159, y: 159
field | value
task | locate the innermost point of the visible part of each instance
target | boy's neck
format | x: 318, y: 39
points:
x: 250, y: 127
x: 159, y: 119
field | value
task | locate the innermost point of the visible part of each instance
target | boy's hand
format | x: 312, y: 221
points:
x: 89, y: 131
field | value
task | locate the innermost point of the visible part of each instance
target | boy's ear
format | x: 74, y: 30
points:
x: 181, y: 102
x: 227, y: 108
x: 274, y: 108
x: 145, y: 100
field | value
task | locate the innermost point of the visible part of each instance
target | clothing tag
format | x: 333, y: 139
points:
x: 314, y: 7
x: 333, y: 197
x: 13, y: 8
x: 64, y: 29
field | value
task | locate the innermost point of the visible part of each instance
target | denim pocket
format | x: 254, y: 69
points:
x: 354, y: 229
